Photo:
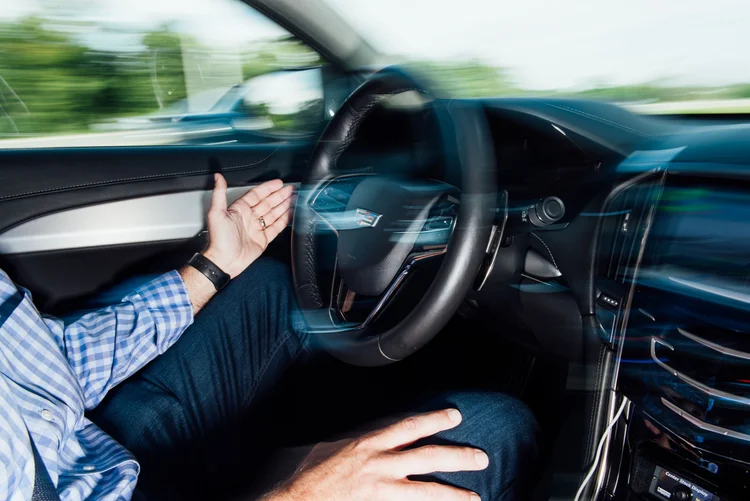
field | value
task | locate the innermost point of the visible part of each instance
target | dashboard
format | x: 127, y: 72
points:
x: 644, y: 278
x: 580, y: 153
x: 653, y: 264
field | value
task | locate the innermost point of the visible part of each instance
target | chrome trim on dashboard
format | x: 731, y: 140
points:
x: 702, y: 424
x: 647, y: 314
x: 496, y: 236
x: 628, y: 302
x: 647, y: 163
x: 690, y: 381
x: 716, y: 347
x: 174, y: 216
x: 734, y: 295
x: 397, y: 283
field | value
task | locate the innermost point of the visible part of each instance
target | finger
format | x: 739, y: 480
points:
x: 255, y: 195
x: 438, y: 458
x: 413, y: 428
x: 273, y: 230
x: 267, y: 204
x: 278, y: 211
x: 430, y: 491
x: 219, y: 195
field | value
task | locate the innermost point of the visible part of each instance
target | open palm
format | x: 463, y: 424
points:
x: 237, y: 235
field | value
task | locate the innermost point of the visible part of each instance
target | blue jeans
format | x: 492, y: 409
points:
x: 195, y: 417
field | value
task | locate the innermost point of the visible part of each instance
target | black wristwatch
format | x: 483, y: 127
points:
x: 210, y: 270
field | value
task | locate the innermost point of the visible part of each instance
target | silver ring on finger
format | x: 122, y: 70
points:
x: 262, y: 223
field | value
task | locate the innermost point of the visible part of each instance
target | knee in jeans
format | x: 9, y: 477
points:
x: 501, y: 425
x: 269, y: 283
x: 265, y: 274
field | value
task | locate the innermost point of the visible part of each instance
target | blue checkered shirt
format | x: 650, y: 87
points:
x: 53, y: 370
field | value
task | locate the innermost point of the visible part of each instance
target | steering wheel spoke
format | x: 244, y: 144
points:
x: 349, y: 311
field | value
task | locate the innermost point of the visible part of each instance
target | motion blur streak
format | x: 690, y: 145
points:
x: 84, y: 72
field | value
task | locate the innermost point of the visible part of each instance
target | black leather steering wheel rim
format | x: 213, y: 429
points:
x: 466, y: 141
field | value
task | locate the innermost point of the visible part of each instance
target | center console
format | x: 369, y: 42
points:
x: 673, y: 301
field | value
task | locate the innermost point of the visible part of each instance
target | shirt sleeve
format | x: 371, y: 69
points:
x: 16, y: 467
x: 106, y: 346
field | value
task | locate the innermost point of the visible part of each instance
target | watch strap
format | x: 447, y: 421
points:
x: 209, y: 270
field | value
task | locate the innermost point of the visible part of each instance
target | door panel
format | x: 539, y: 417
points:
x: 37, y: 182
x: 108, y: 147
x: 174, y: 216
x: 65, y: 280
x: 74, y: 222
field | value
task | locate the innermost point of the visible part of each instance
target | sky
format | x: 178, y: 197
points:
x: 561, y: 44
x: 544, y: 44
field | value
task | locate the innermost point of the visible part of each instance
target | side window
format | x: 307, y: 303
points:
x: 144, y: 72
x: 287, y: 101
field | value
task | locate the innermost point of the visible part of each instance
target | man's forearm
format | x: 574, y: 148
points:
x: 199, y: 288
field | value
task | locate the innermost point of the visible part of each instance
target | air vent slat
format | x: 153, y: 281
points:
x: 714, y: 346
x: 708, y: 390
x: 720, y: 430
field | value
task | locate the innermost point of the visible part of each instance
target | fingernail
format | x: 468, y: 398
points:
x: 475, y: 497
x: 454, y: 415
x: 481, y: 459
x: 216, y: 177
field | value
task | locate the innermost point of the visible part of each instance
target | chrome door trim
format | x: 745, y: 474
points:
x: 174, y: 216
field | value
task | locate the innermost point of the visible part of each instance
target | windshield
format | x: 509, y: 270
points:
x: 668, y: 56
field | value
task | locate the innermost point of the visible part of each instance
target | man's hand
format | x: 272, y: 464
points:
x: 237, y: 236
x: 375, y: 467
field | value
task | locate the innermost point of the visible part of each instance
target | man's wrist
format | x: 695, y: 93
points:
x: 218, y: 278
x: 224, y: 264
x: 199, y: 288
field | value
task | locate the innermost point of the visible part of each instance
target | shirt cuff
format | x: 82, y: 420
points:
x: 166, y: 297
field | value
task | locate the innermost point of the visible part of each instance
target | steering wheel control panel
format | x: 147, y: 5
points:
x: 540, y: 214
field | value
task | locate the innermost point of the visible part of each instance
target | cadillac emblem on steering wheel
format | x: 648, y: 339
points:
x: 367, y: 218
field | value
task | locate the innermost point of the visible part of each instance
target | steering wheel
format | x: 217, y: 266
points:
x: 386, y: 227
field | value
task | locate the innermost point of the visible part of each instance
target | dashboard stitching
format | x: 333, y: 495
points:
x: 594, y: 117
x: 548, y: 249
x: 135, y: 178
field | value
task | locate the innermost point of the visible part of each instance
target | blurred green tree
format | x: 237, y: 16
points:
x: 55, y: 78
x: 465, y: 78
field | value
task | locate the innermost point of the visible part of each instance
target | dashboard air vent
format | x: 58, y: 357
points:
x: 624, y: 222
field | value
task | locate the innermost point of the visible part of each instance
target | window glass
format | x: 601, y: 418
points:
x: 145, y: 72
x: 665, y: 56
